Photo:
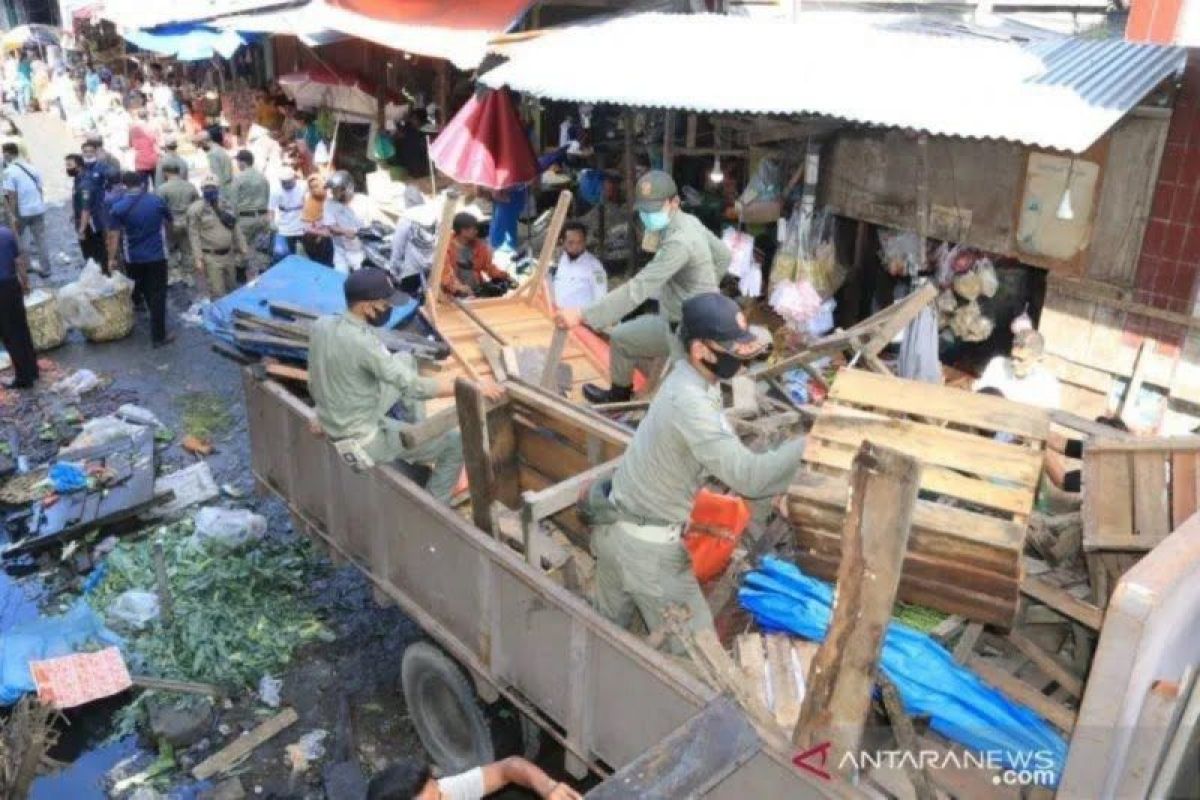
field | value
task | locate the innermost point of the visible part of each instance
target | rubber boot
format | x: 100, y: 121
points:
x: 617, y: 394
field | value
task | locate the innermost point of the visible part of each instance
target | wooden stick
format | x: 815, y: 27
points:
x: 906, y: 737
x: 1063, y: 602
x: 227, y: 757
x: 472, y: 408
x: 479, y: 321
x: 1055, y: 713
x: 184, y: 687
x: 536, y: 281
x: 553, y: 358
x: 165, y: 602
x: 1047, y: 663
x: 884, y: 485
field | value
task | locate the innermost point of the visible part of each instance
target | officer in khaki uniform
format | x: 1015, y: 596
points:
x: 168, y: 157
x: 212, y: 234
x: 251, y: 199
x: 219, y: 164
x: 355, y: 382
x: 639, y: 516
x: 689, y: 261
x: 179, y: 195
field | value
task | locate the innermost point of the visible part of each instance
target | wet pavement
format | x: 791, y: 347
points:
x: 362, y: 663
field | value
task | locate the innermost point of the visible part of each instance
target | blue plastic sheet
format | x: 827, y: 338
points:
x: 77, y: 630
x: 960, y: 706
x: 294, y: 280
x: 67, y: 476
x: 186, y: 42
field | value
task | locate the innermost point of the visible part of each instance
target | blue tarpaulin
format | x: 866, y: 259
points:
x: 297, y: 281
x: 959, y: 705
x: 186, y: 42
x: 75, y: 631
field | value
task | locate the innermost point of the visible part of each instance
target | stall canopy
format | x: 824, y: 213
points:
x: 186, y: 42
x: 877, y: 69
x: 485, y: 144
x: 318, y: 88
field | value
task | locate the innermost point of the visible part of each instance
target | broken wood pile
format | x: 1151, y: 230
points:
x: 982, y: 458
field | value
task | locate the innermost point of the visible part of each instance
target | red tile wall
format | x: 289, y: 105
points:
x: 1169, y: 266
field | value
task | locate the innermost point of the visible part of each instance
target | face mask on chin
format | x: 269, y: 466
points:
x: 726, y: 365
x: 654, y: 220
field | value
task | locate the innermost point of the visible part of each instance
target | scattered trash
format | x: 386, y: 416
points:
x: 229, y: 490
x: 308, y: 748
x: 97, y: 304
x: 268, y: 690
x: 191, y: 486
x: 138, y: 415
x: 133, y: 610
x: 21, y: 490
x: 103, y: 430
x: 44, y: 638
x: 231, y: 528
x: 196, y: 446
x: 79, y: 678
x: 80, y: 382
x: 67, y: 476
x: 195, y: 313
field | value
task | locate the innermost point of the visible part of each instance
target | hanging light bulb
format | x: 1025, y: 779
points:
x: 1065, y: 212
x: 716, y: 176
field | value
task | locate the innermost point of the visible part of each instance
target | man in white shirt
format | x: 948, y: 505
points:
x: 26, y: 203
x: 410, y: 779
x: 412, y: 247
x: 286, y: 207
x: 580, y: 279
x: 343, y: 223
x: 1022, y: 377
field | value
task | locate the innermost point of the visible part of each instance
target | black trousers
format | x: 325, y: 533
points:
x: 150, y: 280
x: 93, y: 246
x: 14, y: 332
x: 319, y: 249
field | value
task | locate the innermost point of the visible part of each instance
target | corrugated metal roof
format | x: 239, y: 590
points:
x: 867, y: 68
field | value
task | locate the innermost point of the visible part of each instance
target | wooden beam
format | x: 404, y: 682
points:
x: 1047, y: 663
x: 441, y: 245
x: 537, y: 280
x: 1063, y: 602
x: 477, y: 451
x: 884, y: 485
x: 1053, y: 712
x: 229, y: 756
x: 553, y: 359
x: 562, y: 495
x: 478, y: 320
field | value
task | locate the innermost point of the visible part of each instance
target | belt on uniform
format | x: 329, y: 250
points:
x: 252, y: 213
x: 224, y: 252
x: 659, y: 533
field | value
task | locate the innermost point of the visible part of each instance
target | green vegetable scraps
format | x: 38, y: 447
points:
x: 922, y: 618
x: 237, y: 613
x: 204, y: 414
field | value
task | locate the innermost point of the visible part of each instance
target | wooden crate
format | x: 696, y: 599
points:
x: 1134, y: 494
x: 982, y: 453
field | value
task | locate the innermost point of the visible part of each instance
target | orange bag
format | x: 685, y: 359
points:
x: 716, y: 525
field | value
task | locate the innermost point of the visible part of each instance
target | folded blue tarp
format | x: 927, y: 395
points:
x: 960, y: 706
x: 75, y: 631
x: 295, y: 280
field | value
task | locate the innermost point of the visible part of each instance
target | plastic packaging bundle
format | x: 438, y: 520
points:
x: 970, y: 324
x: 95, y: 303
x: 900, y: 252
x: 807, y: 253
x: 960, y: 706
x: 796, y: 301
x: 743, y: 266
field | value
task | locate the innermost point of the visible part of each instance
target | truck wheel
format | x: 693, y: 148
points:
x: 445, y: 710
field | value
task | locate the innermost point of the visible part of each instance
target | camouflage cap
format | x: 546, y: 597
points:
x: 652, y: 189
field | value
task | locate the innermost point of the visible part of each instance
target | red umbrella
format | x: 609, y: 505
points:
x: 485, y: 144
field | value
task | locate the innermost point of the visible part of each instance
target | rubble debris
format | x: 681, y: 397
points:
x: 190, y: 486
x: 306, y: 750
x: 45, y: 638
x: 180, y: 724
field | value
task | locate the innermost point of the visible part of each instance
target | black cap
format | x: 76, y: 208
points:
x: 716, y: 318
x: 369, y: 284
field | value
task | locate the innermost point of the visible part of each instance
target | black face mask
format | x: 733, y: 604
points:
x: 379, y: 318
x: 726, y: 365
x: 72, y: 172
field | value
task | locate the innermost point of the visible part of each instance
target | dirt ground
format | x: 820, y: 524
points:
x: 362, y: 663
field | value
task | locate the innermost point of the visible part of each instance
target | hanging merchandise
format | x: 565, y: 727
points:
x: 900, y: 252
x: 807, y: 253
x: 761, y: 200
x: 743, y: 266
x: 919, y: 348
x: 988, y: 279
x: 970, y: 324
x: 968, y: 285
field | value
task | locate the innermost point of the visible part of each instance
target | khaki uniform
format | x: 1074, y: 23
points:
x: 221, y: 167
x: 690, y: 260
x: 179, y: 195
x: 216, y: 247
x: 166, y: 158
x: 355, y: 381
x: 641, y: 562
x: 251, y: 197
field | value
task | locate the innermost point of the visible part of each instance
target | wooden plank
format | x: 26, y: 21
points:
x: 227, y: 757
x: 548, y: 454
x: 966, y: 643
x: 1183, y: 487
x: 441, y: 246
x: 477, y: 451
x: 1010, y: 499
x: 1134, y: 388
x: 1108, y: 499
x: 553, y: 356
x: 1047, y: 663
x: 537, y: 280
x: 933, y: 445
x: 480, y: 323
x: 754, y: 664
x: 571, y: 421
x: 1063, y: 602
x: 1136, y: 544
x: 1160, y: 444
x: 883, y: 495
x: 994, y: 414
x: 1151, y: 506
x: 906, y: 738
x: 1053, y: 712
x: 786, y: 703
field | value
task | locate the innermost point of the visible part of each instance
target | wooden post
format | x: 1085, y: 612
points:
x: 883, y: 494
x: 627, y: 167
x: 537, y: 280
x: 442, y: 91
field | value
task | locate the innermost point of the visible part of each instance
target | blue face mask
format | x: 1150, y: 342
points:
x: 654, y: 220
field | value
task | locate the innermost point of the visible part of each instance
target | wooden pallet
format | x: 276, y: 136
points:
x: 977, y: 489
x: 777, y: 667
x: 1134, y: 494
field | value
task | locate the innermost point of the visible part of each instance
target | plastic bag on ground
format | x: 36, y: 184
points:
x: 75, y: 298
x: 133, y: 609
x: 67, y: 476
x: 268, y: 690
x: 229, y: 527
x: 138, y: 415
x: 81, y: 381
x: 103, y: 430
x: 960, y: 705
x: 44, y: 638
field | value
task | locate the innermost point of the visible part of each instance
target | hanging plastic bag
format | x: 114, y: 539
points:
x: 743, y: 266
x: 989, y: 281
x: 970, y: 324
x: 796, y: 301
